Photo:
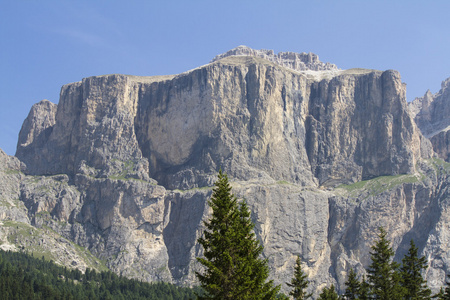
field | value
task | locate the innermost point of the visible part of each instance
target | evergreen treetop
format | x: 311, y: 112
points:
x: 439, y: 295
x: 384, y: 277
x: 328, y: 294
x: 233, y: 268
x: 364, y: 290
x: 352, y: 286
x: 299, y: 283
x: 447, y: 290
x: 414, y: 285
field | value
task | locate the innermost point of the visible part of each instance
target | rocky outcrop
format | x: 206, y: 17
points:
x: 322, y: 156
x: 25, y: 201
x: 295, y: 61
x: 94, y: 130
x: 10, y: 177
x: 432, y: 115
x: 36, y: 130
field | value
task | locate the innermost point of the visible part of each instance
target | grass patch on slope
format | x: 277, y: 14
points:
x: 440, y: 165
x: 127, y: 168
x: 378, y: 185
x: 30, y: 238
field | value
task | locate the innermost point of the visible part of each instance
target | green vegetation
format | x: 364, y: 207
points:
x: 232, y: 269
x: 25, y: 277
x: 13, y: 172
x: 283, y: 182
x: 378, y: 185
x: 446, y: 295
x: 364, y: 290
x: 127, y: 168
x: 440, y: 165
x: 387, y: 280
x: 232, y: 265
x: 352, y: 286
x: 299, y: 283
x: 202, y: 188
x: 22, y: 234
x: 328, y: 294
x: 384, y: 275
x: 414, y: 285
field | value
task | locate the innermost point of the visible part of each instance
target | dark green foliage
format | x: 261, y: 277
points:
x: 25, y: 277
x: 352, y: 286
x: 414, y: 285
x: 447, y: 290
x: 384, y: 276
x: 233, y: 268
x: 440, y: 295
x: 299, y: 283
x: 328, y: 294
x: 364, y: 290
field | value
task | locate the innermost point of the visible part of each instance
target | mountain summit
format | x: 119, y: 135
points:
x: 295, y: 61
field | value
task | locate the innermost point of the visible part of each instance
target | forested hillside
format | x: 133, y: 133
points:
x: 23, y: 276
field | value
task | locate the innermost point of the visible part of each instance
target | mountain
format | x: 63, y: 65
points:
x: 432, y: 115
x: 121, y: 169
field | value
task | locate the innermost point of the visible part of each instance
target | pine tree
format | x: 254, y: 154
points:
x: 384, y: 277
x: 233, y: 268
x: 328, y: 294
x: 364, y: 290
x: 299, y: 283
x: 415, y: 286
x: 447, y: 290
x: 352, y: 286
x: 439, y: 295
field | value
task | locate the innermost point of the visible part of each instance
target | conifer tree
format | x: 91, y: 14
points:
x: 328, y: 294
x: 447, y: 290
x: 414, y: 285
x: 299, y: 282
x: 233, y: 268
x: 384, y: 277
x: 364, y: 290
x: 352, y: 286
x: 439, y: 295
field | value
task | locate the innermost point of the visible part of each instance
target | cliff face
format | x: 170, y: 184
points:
x: 140, y: 154
x: 244, y: 114
x: 432, y: 115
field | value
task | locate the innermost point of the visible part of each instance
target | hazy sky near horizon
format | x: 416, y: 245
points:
x: 45, y: 44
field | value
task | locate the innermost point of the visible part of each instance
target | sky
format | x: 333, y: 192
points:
x: 45, y: 44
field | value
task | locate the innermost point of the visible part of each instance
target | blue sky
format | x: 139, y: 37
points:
x: 45, y: 44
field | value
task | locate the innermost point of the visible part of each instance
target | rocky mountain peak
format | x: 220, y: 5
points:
x: 296, y: 61
x: 445, y: 84
x: 431, y: 112
x: 432, y: 115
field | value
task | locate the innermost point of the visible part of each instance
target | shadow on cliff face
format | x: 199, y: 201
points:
x: 185, y: 212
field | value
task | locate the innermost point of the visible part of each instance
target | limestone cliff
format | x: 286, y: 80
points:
x: 253, y: 118
x: 323, y: 156
x: 432, y: 115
